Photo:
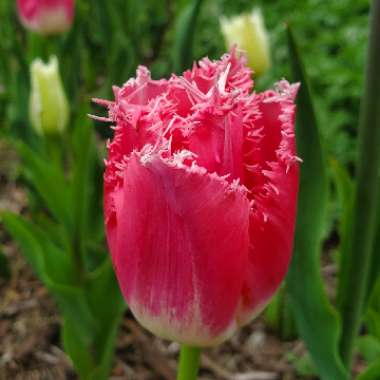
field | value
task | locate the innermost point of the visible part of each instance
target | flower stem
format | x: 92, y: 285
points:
x: 367, y: 197
x: 188, y: 363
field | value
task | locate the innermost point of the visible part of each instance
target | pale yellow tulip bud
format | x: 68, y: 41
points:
x: 48, y: 107
x: 248, y: 32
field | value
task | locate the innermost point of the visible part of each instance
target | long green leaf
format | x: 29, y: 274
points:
x: 50, y: 184
x: 316, y: 320
x: 375, y: 263
x: 372, y: 315
x: 77, y: 348
x: 21, y: 232
x: 345, y: 191
x: 363, y: 228
x: 182, y: 53
x: 83, y: 162
x: 108, y: 305
x: 49, y: 261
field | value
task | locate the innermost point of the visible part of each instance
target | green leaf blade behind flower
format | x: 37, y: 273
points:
x: 316, y: 319
x: 185, y: 26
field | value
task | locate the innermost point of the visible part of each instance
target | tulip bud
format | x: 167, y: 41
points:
x: 248, y: 32
x: 48, y: 108
x: 46, y: 16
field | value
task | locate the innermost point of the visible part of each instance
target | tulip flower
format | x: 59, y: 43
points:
x: 46, y: 16
x: 48, y: 107
x: 200, y: 197
x: 248, y: 32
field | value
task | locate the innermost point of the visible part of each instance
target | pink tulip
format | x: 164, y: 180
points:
x: 46, y: 16
x: 200, y: 197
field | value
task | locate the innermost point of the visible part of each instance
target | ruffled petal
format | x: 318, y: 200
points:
x: 140, y: 90
x: 180, y: 243
x: 274, y: 187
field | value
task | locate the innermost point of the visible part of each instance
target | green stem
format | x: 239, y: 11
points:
x: 188, y: 363
x: 367, y: 195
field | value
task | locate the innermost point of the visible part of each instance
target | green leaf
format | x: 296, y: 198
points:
x: 103, y: 289
x: 369, y: 347
x: 73, y: 303
x: 121, y: 51
x: 122, y: 62
x: 83, y: 162
x: 345, y: 191
x: 303, y: 365
x: 279, y: 315
x: 50, y: 183
x: 362, y: 233
x: 372, y: 315
x: 185, y: 27
x: 108, y: 305
x: 272, y: 313
x: 316, y: 320
x: 78, y: 348
x: 21, y: 231
x: 375, y: 262
x: 372, y: 321
x: 49, y: 261
x: 106, y: 342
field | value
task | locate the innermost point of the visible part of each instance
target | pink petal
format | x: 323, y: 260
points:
x: 217, y: 142
x: 206, y: 73
x: 179, y: 240
x: 142, y: 89
x: 274, y: 193
x: 138, y: 106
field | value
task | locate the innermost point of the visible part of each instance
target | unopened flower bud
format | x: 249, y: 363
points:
x: 49, y: 111
x: 248, y: 32
x: 46, y: 16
